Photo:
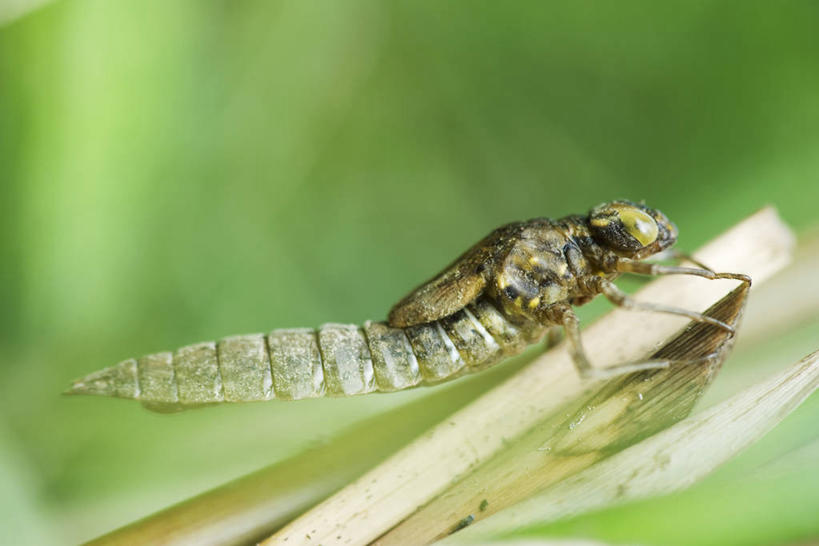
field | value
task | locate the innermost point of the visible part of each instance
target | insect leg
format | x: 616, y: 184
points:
x: 625, y: 265
x: 621, y: 299
x: 678, y: 256
x: 565, y: 316
x: 682, y: 256
x: 553, y: 336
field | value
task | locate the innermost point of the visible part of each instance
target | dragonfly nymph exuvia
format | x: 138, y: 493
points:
x: 498, y: 297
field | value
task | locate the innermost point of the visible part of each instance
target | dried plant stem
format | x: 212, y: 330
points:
x: 783, y: 303
x: 668, y: 461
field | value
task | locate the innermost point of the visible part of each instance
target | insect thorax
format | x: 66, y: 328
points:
x: 546, y: 265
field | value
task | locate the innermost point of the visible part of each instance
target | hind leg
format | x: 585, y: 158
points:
x: 564, y: 315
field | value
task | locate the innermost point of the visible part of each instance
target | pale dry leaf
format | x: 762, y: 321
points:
x: 669, y: 461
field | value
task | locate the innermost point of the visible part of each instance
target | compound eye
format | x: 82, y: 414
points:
x: 639, y: 225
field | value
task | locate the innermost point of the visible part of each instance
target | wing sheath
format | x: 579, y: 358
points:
x: 457, y: 285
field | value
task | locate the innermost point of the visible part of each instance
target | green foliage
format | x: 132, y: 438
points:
x: 178, y: 171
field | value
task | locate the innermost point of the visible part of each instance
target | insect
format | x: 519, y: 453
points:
x: 498, y: 297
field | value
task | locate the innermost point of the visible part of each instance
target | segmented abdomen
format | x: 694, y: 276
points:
x: 335, y: 360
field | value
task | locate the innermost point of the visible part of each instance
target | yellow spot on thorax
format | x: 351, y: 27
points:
x: 534, y: 302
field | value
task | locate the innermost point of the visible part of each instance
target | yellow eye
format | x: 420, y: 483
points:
x: 639, y: 225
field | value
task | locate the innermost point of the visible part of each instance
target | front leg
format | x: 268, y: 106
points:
x: 625, y: 265
x: 679, y: 256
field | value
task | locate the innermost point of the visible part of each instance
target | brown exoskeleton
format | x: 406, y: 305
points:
x: 498, y: 297
x: 537, y: 270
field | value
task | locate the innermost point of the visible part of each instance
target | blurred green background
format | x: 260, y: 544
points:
x: 178, y: 171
